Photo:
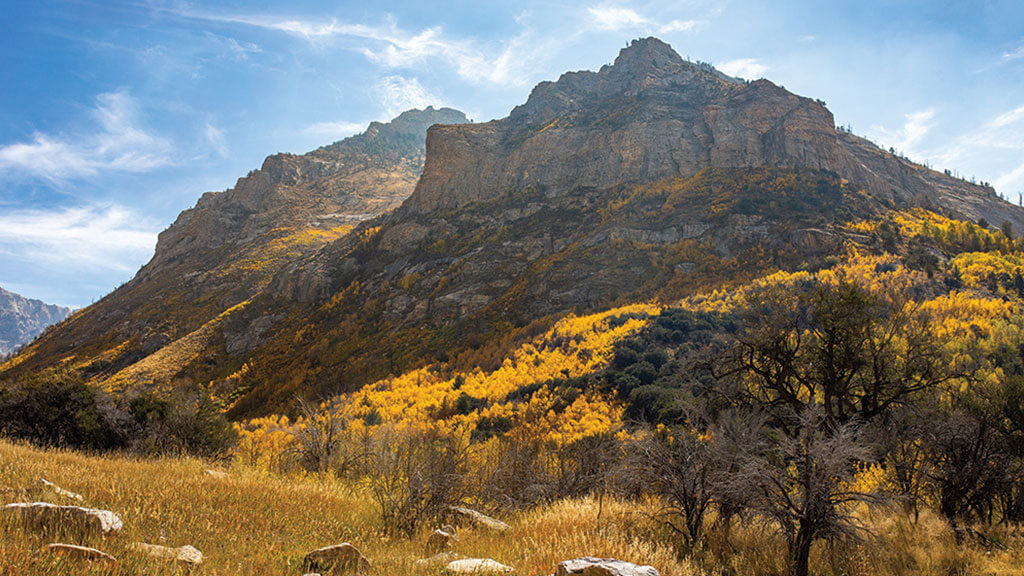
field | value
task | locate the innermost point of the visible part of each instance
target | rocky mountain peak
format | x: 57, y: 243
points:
x: 646, y: 56
x: 403, y: 134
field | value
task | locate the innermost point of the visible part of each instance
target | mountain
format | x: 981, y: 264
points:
x: 22, y: 319
x: 224, y: 250
x: 651, y: 179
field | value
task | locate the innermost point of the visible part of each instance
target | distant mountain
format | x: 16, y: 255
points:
x: 651, y: 179
x: 22, y: 319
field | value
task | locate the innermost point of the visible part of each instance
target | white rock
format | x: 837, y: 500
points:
x: 60, y: 491
x: 478, y: 519
x: 184, y: 555
x: 603, y: 567
x: 52, y: 516
x: 477, y: 566
x: 337, y: 558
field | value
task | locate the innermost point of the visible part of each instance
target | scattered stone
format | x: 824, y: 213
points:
x: 603, y: 567
x: 215, y: 473
x: 336, y: 559
x: 442, y: 559
x: 183, y: 555
x: 60, y: 491
x: 79, y: 553
x: 48, y: 515
x: 478, y: 566
x: 441, y: 540
x: 479, y: 520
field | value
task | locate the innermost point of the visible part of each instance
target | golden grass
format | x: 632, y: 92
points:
x: 258, y: 523
x: 255, y: 523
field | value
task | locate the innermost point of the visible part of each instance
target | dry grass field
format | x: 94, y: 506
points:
x: 251, y: 522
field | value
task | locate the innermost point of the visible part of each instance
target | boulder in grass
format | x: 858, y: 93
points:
x: 478, y: 519
x: 337, y: 559
x: 79, y: 553
x: 60, y: 491
x: 186, y: 555
x: 441, y: 540
x: 442, y: 559
x: 52, y: 516
x: 603, y: 567
x: 478, y: 566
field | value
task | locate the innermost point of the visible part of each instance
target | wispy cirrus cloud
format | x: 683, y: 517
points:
x: 911, y: 135
x: 334, y: 130
x: 1015, y: 54
x: 391, y: 46
x: 750, y: 68
x: 120, y: 144
x: 398, y: 94
x: 617, y: 17
x: 99, y: 236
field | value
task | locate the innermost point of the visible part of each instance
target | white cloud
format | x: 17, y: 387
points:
x: 749, y: 68
x: 108, y: 237
x: 679, y: 26
x: 1007, y: 118
x: 238, y: 50
x: 609, y: 17
x: 615, y: 18
x: 907, y: 140
x: 393, y: 47
x: 334, y: 130
x: 1014, y: 54
x: 215, y: 138
x: 398, y: 94
x: 120, y: 144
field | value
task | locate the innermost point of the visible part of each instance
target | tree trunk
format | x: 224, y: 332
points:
x: 802, y: 551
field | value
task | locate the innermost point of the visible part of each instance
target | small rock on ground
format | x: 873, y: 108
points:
x: 477, y: 566
x: 441, y: 559
x: 49, y: 515
x: 478, y: 519
x: 441, y: 540
x: 60, y: 491
x: 603, y: 567
x: 183, y: 555
x: 337, y: 559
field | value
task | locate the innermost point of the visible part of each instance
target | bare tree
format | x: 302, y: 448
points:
x: 855, y: 353
x: 803, y: 483
x: 415, y: 476
x: 678, y: 465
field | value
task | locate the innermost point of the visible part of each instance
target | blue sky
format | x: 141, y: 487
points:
x: 117, y: 115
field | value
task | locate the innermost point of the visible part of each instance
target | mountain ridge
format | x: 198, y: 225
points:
x: 22, y: 319
x: 651, y: 179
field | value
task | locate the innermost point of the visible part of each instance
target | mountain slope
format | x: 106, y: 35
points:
x: 22, y: 319
x: 225, y: 249
x: 651, y: 179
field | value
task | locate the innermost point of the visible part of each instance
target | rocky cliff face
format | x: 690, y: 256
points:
x: 224, y: 250
x: 22, y: 319
x: 341, y: 184
x: 651, y: 115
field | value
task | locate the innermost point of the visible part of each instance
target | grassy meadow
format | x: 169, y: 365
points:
x: 253, y: 522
